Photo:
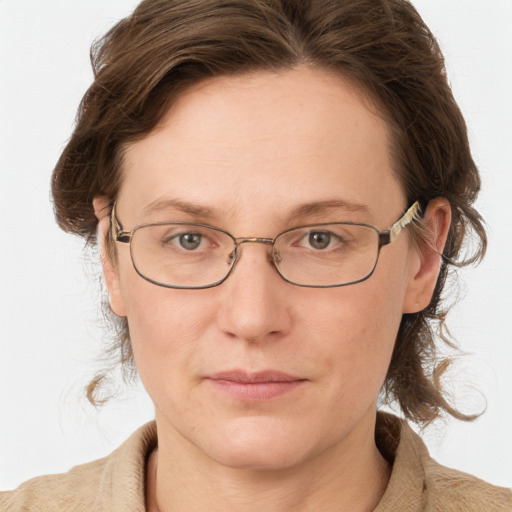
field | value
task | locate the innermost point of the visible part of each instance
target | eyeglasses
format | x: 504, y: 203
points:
x: 196, y: 256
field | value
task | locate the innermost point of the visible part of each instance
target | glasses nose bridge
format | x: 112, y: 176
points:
x: 273, y: 258
x: 254, y: 240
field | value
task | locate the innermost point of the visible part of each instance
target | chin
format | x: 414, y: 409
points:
x: 258, y: 457
x: 260, y: 444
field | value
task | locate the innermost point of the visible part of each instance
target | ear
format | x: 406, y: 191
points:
x: 426, y: 259
x: 110, y: 272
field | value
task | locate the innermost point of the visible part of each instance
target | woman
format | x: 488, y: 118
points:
x: 271, y: 203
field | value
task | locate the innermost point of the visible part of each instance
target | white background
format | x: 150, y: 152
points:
x: 49, y: 320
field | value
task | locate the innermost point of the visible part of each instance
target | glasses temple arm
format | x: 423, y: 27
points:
x: 412, y: 214
x: 116, y: 230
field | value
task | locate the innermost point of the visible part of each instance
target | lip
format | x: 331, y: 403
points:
x: 255, y: 386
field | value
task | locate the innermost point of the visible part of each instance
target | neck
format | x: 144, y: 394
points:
x: 349, y: 476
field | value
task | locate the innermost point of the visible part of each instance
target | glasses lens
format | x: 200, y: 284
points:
x: 195, y: 256
x: 327, y: 255
x: 182, y: 255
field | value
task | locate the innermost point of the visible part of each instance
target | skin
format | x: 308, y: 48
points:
x: 252, y: 149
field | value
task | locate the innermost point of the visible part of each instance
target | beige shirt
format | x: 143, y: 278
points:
x: 116, y: 483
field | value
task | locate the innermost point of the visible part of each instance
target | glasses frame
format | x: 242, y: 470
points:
x: 385, y: 237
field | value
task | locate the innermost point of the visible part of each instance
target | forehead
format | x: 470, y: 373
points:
x: 267, y: 141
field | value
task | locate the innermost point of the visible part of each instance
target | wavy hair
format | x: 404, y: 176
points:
x: 383, y: 46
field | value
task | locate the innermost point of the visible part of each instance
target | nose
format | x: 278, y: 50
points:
x: 256, y: 302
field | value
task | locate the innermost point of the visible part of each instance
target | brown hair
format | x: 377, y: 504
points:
x: 147, y: 59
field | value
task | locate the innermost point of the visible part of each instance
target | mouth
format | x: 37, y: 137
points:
x: 255, y: 387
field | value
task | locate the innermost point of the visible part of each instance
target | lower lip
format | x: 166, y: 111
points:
x: 256, y: 391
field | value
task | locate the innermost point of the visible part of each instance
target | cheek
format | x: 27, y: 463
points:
x: 166, y: 328
x: 355, y: 331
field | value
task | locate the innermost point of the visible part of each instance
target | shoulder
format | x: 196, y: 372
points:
x: 102, y: 485
x: 422, y: 484
x: 452, y: 490
x: 58, y: 492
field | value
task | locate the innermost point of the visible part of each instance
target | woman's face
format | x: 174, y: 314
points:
x: 243, y: 154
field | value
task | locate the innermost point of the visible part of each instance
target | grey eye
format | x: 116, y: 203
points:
x: 319, y: 239
x: 190, y: 241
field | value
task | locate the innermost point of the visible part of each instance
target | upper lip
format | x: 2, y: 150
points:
x: 244, y: 377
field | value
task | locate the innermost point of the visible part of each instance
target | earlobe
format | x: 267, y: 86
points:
x: 110, y: 273
x: 426, y: 259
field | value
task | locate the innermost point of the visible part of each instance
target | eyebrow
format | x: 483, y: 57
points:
x: 313, y: 209
x: 322, y: 208
x: 163, y: 205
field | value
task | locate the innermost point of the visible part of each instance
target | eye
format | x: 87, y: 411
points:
x: 316, y: 239
x: 181, y: 240
x: 190, y: 241
x: 320, y: 239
